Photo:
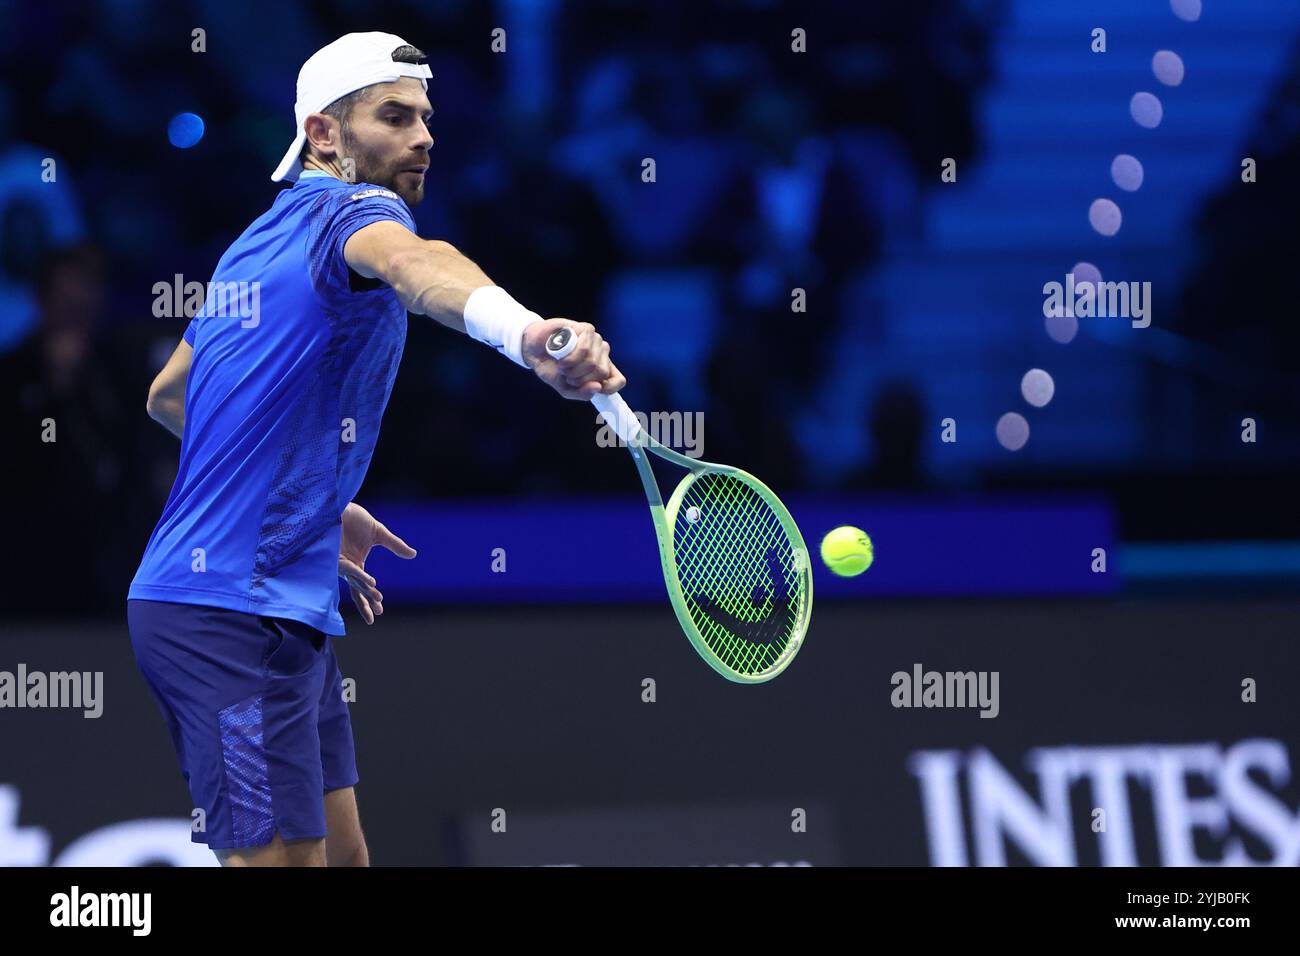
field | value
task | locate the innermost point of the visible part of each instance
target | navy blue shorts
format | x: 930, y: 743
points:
x: 256, y: 713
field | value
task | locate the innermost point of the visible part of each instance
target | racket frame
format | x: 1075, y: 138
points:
x: 665, y: 520
x: 625, y: 425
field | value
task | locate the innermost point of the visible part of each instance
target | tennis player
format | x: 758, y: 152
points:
x: 278, y: 409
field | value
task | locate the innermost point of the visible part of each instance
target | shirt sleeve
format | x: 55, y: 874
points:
x: 190, y: 331
x: 343, y: 212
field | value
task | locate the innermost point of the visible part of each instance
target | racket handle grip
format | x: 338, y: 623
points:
x: 619, y: 417
x: 612, y: 408
x: 561, y: 343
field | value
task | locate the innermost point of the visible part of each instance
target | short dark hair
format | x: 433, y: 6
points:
x: 341, y: 109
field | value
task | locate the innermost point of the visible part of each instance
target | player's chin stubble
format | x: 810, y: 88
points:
x: 389, y: 176
x: 408, y: 186
x: 411, y: 195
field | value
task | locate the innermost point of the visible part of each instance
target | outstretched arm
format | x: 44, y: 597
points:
x: 433, y: 278
x: 430, y: 276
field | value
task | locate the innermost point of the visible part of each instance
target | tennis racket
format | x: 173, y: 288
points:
x: 735, y: 565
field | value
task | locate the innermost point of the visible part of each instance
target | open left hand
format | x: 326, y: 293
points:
x: 361, y: 532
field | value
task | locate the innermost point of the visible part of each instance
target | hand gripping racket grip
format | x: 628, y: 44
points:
x: 612, y: 408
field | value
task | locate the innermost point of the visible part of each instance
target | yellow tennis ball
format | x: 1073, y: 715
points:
x: 847, y: 551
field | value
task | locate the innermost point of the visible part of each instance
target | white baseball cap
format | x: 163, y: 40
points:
x: 337, y: 69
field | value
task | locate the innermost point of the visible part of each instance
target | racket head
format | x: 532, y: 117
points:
x: 738, y: 573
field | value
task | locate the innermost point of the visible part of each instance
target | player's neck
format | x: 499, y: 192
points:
x: 328, y: 167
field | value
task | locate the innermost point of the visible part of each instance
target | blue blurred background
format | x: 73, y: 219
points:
x: 775, y: 171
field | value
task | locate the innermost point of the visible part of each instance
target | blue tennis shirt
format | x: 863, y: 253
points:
x: 294, y: 360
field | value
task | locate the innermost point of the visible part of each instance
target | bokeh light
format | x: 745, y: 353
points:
x: 1085, y: 272
x: 1127, y: 172
x: 1146, y: 110
x: 185, y: 130
x: 1105, y: 216
x: 1037, y: 387
x: 1012, y: 431
x: 1062, y: 328
x: 1189, y: 10
x: 1168, y: 67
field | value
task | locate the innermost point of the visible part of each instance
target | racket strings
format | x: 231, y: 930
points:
x: 755, y: 635
x: 739, y: 571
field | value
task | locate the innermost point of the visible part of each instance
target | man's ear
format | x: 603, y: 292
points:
x: 323, y: 134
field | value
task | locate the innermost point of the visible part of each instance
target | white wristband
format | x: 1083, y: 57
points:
x: 494, y: 318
